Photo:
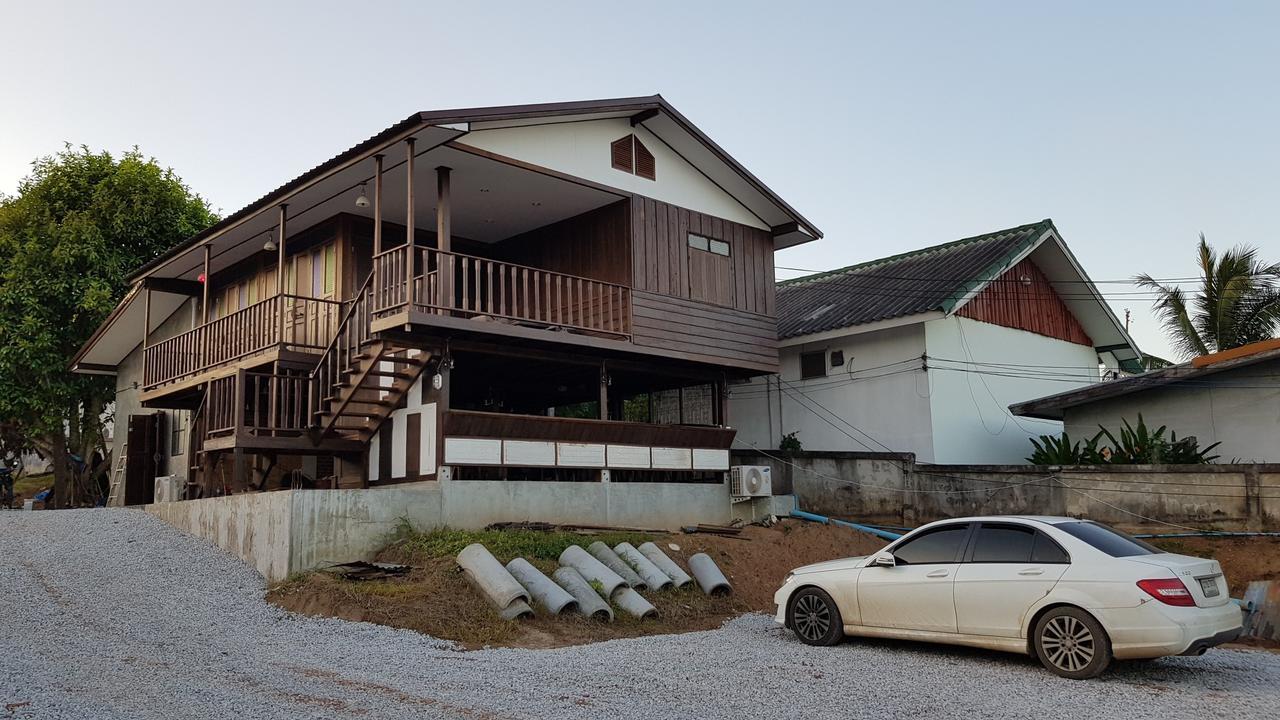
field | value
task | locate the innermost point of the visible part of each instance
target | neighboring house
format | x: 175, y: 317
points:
x: 923, y: 352
x: 582, y: 281
x: 1231, y: 397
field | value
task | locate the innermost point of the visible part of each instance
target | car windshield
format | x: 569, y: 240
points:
x: 1108, y: 540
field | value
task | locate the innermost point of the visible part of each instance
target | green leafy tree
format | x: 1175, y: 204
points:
x: 1237, y: 303
x: 78, y: 226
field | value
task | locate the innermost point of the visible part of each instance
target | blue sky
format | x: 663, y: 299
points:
x: 892, y: 126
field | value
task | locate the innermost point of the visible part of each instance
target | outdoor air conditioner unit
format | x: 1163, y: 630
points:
x: 750, y: 481
x: 169, y: 488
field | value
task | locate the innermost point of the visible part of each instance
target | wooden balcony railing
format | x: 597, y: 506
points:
x: 253, y: 404
x: 294, y: 322
x: 468, y: 286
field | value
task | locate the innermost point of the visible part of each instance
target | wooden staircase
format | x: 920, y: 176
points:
x: 360, y: 379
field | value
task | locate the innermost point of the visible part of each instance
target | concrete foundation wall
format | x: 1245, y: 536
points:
x: 288, y: 531
x: 892, y: 489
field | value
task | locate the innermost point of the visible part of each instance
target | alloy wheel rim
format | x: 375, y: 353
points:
x: 811, y: 617
x: 1067, y: 643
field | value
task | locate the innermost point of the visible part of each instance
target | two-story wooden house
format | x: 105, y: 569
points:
x: 581, y: 282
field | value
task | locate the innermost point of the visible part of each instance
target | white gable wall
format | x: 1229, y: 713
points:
x: 891, y: 408
x: 971, y: 422
x: 582, y: 149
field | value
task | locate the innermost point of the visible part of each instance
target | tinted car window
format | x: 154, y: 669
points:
x: 1108, y: 540
x: 1003, y: 544
x: 1047, y: 551
x: 936, y: 546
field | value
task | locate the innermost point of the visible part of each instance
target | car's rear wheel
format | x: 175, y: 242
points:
x: 814, y: 617
x: 1071, y: 643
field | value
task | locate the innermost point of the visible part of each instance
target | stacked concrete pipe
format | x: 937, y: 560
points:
x: 592, y: 569
x: 494, y: 582
x: 550, y: 596
x: 604, y: 554
x: 634, y: 603
x: 589, y: 601
x: 655, y: 555
x: 653, y: 576
x: 710, y: 579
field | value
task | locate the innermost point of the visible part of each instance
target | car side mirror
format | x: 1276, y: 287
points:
x: 884, y: 559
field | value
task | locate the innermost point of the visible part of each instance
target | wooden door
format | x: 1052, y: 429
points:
x: 144, y: 459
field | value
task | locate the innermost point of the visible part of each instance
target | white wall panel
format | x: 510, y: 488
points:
x: 528, y: 453
x: 580, y: 455
x: 472, y: 451
x: 710, y: 459
x: 672, y: 458
x: 628, y: 456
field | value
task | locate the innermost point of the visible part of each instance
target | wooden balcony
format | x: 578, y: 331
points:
x: 279, y: 323
x: 263, y: 411
x: 456, y: 286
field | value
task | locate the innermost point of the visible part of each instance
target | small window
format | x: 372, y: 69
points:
x: 936, y: 546
x: 1048, y: 551
x: 630, y: 155
x: 177, y: 434
x: 813, y: 364
x: 698, y: 242
x: 719, y: 247
x: 837, y: 358
x: 1004, y: 544
x: 620, y: 152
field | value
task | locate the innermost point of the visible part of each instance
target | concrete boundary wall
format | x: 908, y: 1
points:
x: 892, y: 488
x: 283, y: 532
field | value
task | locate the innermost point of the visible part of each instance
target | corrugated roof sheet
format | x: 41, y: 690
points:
x: 933, y: 278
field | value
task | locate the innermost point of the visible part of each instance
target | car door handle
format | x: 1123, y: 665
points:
x: 939, y: 573
x: 1031, y: 571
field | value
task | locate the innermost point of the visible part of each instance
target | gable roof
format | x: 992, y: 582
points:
x: 941, y: 279
x: 932, y: 278
x: 439, y: 126
x: 1053, y: 407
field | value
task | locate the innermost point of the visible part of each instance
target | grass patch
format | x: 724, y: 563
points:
x: 504, y: 544
x: 31, y: 484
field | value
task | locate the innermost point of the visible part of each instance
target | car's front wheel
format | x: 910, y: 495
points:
x: 1071, y: 643
x: 814, y: 617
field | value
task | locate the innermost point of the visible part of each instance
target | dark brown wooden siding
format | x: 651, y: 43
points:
x: 593, y: 245
x: 1022, y: 298
x: 660, y: 258
x: 704, y: 332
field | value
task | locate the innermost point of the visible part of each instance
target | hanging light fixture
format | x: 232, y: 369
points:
x: 362, y: 200
x: 270, y: 244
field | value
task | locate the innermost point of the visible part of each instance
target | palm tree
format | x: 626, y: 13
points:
x: 1238, y: 302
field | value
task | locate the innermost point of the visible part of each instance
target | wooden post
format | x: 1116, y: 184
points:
x: 204, y: 298
x: 377, y: 204
x: 284, y: 211
x: 604, y: 391
x: 722, y: 392
x: 146, y: 315
x: 444, y: 239
x: 409, y: 226
x: 239, y: 398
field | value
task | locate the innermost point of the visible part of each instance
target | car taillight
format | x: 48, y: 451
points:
x: 1169, y: 591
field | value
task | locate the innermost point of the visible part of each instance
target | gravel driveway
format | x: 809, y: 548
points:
x: 113, y: 614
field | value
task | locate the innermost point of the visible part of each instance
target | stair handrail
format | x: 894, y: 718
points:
x: 327, y: 367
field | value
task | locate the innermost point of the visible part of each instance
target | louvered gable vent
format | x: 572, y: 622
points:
x: 621, y: 152
x: 644, y: 161
x: 630, y: 155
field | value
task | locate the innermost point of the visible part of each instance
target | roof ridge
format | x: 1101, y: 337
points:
x: 1047, y: 223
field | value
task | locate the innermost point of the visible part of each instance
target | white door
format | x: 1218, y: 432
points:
x: 1008, y: 569
x: 915, y: 594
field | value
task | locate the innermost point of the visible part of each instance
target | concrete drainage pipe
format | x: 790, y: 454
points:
x: 592, y: 569
x: 589, y: 601
x: 494, y: 582
x: 549, y: 595
x: 634, y: 604
x: 708, y: 575
x: 601, y: 552
x: 665, y: 564
x: 653, y: 576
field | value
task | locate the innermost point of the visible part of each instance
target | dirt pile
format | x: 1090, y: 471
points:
x: 435, y: 598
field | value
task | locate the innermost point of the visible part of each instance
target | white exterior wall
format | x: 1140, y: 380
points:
x: 971, y: 422
x: 399, y: 441
x: 1239, y: 408
x: 893, y: 409
x: 582, y: 149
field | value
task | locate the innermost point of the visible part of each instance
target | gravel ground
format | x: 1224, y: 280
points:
x: 113, y: 614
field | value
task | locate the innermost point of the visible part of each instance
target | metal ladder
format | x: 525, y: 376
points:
x: 117, y: 476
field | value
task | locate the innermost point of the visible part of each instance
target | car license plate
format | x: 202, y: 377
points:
x: 1209, y: 586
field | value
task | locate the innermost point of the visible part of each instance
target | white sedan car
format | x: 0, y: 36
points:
x: 1071, y: 592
